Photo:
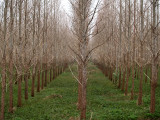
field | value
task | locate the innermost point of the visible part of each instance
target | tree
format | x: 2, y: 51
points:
x: 133, y: 67
x: 154, y: 57
x: 25, y: 47
x: 10, y: 58
x: 33, y: 47
x: 38, y: 37
x: 120, y: 34
x: 19, y: 104
x: 83, y: 18
x: 141, y: 64
x: 4, y: 60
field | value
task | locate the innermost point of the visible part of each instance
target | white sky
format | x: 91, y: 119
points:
x: 66, y: 5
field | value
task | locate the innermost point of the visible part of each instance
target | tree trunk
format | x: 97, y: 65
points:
x: 127, y: 80
x: 84, y: 92
x: 154, y: 59
x: 119, y: 84
x: 141, y: 67
x: 10, y: 59
x: 46, y: 77
x: 26, y: 86
x: 11, y: 87
x: 38, y: 81
x: 153, y: 87
x: 133, y: 67
x: 140, y: 86
x: 53, y: 73
x: 132, y: 89
x: 33, y: 83
x: 50, y: 75
x: 3, y: 84
x: 79, y: 87
x: 19, y: 91
x: 124, y: 76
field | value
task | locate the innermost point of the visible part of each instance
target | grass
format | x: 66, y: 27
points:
x: 104, y: 101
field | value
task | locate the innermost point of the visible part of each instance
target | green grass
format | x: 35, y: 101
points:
x: 104, y: 101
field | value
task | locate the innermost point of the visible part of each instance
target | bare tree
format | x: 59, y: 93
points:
x: 120, y: 34
x: 155, y: 55
x: 4, y: 60
x: 83, y: 18
x: 19, y: 104
x: 25, y: 47
x: 133, y: 67
x: 11, y: 57
x: 33, y: 47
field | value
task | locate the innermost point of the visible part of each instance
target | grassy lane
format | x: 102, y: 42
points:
x: 105, y: 101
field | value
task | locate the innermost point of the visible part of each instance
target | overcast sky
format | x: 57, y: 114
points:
x: 66, y: 5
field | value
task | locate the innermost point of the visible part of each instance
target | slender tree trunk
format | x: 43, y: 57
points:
x: 3, y: 84
x: 120, y: 27
x: 138, y: 70
x: 120, y: 78
x: 84, y: 92
x: 11, y: 87
x: 79, y: 87
x: 50, y: 75
x: 46, y: 77
x: 38, y: 81
x: 153, y: 86
x: 33, y: 48
x: 20, y: 40
x: 133, y: 67
x: 124, y: 76
x: 19, y: 91
x: 129, y: 45
x: 33, y: 84
x: 26, y: 77
x: 53, y: 74
x: 38, y: 37
x: 154, y: 60
x: 10, y: 59
x: 26, y: 86
x: 127, y: 80
x: 141, y: 67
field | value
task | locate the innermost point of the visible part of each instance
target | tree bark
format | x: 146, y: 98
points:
x: 127, y: 80
x: 79, y: 87
x: 84, y: 92
x: 153, y: 86
x: 46, y: 77
x: 10, y: 59
x: 141, y: 67
x: 154, y: 60
x: 3, y: 84
x: 33, y: 84
x: 133, y: 67
x: 38, y: 81
x: 124, y: 76
x: 50, y: 75
x: 26, y: 86
x: 19, y: 91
